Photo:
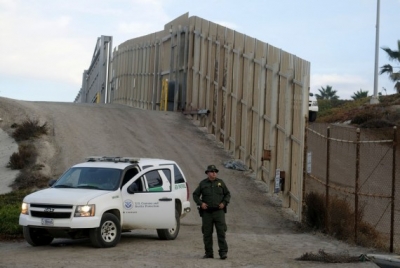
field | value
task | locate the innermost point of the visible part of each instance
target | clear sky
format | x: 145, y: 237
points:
x: 47, y: 44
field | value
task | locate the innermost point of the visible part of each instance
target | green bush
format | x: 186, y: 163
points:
x: 325, y: 106
x: 10, y: 208
x: 29, y: 129
x: 29, y: 177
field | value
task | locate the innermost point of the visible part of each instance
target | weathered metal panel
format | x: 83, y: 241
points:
x: 258, y: 108
x: 194, y: 103
x: 247, y: 99
x: 271, y: 112
x: 218, y: 79
x: 238, y: 48
x: 190, y: 59
x: 300, y: 86
x: 204, y: 67
x: 210, y: 92
x: 227, y: 87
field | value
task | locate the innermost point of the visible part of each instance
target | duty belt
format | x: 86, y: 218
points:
x: 211, y: 209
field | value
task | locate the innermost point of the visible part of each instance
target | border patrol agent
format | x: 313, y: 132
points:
x: 212, y: 197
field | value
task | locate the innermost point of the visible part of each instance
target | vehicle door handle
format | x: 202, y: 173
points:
x: 165, y: 199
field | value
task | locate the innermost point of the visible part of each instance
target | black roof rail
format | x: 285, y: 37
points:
x: 112, y: 159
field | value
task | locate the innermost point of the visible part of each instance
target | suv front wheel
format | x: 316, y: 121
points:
x: 108, y: 233
x: 36, y: 236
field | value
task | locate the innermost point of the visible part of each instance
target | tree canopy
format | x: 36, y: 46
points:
x: 359, y: 94
x: 393, y: 55
x: 327, y: 93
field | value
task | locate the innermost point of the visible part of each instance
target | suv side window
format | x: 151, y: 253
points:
x: 155, y: 181
x: 178, y: 175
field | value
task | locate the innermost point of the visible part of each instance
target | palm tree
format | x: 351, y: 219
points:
x: 359, y: 94
x: 327, y: 94
x: 393, y: 55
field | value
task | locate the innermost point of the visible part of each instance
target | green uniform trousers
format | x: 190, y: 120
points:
x: 209, y: 219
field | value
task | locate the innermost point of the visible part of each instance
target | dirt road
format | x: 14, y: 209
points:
x: 260, y: 233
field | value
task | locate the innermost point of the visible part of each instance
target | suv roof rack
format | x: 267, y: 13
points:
x: 115, y: 159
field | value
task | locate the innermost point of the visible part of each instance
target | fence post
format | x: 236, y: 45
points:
x: 328, y: 146
x: 393, y: 187
x: 304, y: 165
x: 357, y: 184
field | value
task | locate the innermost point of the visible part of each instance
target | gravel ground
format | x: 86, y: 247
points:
x: 260, y: 232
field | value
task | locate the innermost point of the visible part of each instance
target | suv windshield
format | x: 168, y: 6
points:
x: 90, y: 178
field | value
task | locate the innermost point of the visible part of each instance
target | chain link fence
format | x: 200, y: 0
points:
x: 357, y: 166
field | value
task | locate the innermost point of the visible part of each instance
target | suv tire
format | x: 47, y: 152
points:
x: 312, y: 116
x: 171, y: 233
x: 36, y: 237
x: 108, y: 233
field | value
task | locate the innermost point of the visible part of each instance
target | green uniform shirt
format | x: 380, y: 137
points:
x: 212, y: 193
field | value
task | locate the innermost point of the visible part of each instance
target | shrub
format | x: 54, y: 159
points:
x: 336, y: 115
x: 377, y: 123
x: 360, y: 110
x: 29, y: 129
x: 364, y: 116
x: 341, y: 220
x: 25, y: 156
x: 27, y: 180
x: 369, y: 237
x: 315, y: 210
x: 389, y: 99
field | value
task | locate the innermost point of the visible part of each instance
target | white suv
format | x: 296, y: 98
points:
x: 105, y: 196
x: 312, y: 108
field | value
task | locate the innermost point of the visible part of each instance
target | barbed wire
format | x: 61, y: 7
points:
x: 346, y: 141
x: 345, y: 190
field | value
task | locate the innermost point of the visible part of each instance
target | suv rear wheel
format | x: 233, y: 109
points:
x: 312, y: 116
x: 171, y: 233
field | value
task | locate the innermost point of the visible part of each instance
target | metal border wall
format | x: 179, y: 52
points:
x: 256, y: 94
x: 95, y: 80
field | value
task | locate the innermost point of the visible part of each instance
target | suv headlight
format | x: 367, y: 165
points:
x: 85, y: 211
x: 25, y: 208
